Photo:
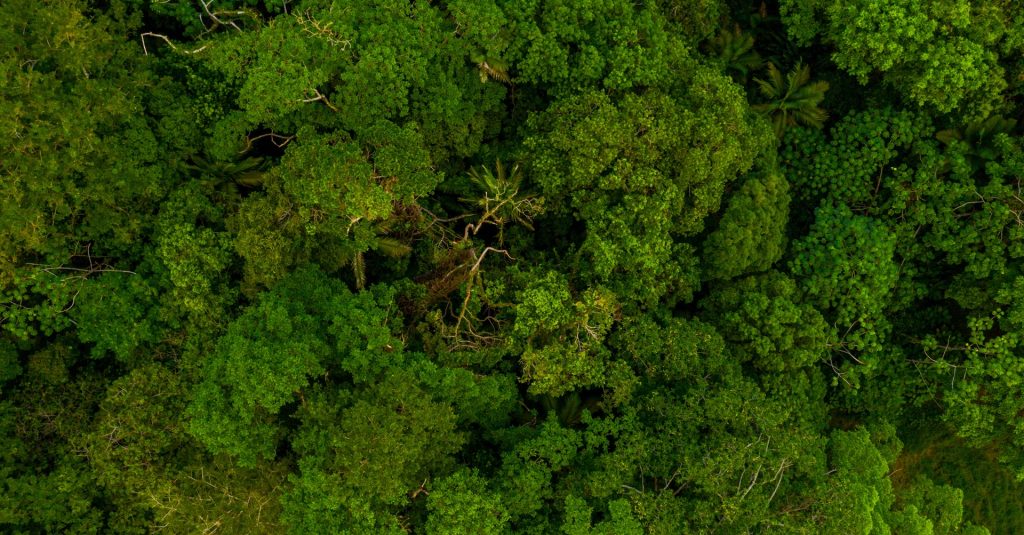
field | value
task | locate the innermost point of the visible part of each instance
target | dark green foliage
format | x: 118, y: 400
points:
x: 735, y: 51
x: 511, y: 266
x: 846, y: 268
x: 848, y: 165
x: 767, y: 322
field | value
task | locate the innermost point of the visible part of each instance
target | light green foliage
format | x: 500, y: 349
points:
x: 390, y: 441
x: 563, y: 337
x: 195, y: 256
x: 462, y: 503
x: 642, y: 171
x: 621, y: 519
x: 846, y: 267
x: 567, y: 47
x: 939, y: 53
x: 316, y: 504
x: 307, y: 325
x: 942, y: 503
x: 117, y: 313
x: 861, y: 498
x: 371, y: 62
x: 65, y: 175
x: 139, y: 424
x: 693, y: 396
x: 707, y: 427
x: 63, y: 500
x: 324, y: 199
x: 528, y: 469
x: 511, y: 266
x: 362, y: 461
x: 861, y: 492
x: 145, y: 459
x: 484, y: 400
x: 36, y: 302
x: 503, y: 200
x: 751, y: 236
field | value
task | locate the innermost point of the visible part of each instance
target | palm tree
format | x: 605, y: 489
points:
x: 793, y: 98
x: 735, y: 50
x: 502, y: 200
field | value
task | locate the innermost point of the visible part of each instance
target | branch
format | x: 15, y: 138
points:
x: 273, y: 139
x: 142, y: 37
x: 320, y: 96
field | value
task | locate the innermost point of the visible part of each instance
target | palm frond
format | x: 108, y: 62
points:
x: 735, y: 51
x: 359, y: 270
x: 392, y: 247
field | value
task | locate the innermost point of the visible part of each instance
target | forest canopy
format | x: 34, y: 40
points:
x: 512, y: 266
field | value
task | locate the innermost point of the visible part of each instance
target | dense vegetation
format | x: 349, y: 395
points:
x: 511, y: 266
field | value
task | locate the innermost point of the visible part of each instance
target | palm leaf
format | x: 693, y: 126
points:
x: 359, y: 270
x: 392, y: 247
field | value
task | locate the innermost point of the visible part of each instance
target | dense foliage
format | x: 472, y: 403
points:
x: 511, y: 266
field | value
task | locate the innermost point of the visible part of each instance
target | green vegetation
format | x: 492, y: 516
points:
x: 512, y: 266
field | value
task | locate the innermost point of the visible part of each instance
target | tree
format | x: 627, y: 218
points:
x: 942, y: 54
x: 751, y: 235
x: 307, y: 326
x: 765, y: 321
x: 463, y: 503
x: 792, y: 100
x: 640, y: 173
x: 846, y: 268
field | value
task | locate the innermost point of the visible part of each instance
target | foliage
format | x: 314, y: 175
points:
x: 751, y: 235
x: 735, y: 51
x: 846, y: 269
x: 939, y: 53
x: 849, y: 164
x: 511, y: 266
